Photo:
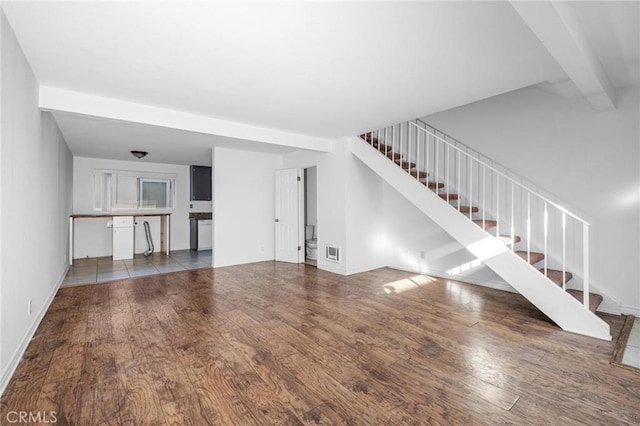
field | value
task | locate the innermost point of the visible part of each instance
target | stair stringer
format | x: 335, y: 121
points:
x: 559, y: 306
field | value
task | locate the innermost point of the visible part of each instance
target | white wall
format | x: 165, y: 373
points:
x: 589, y: 159
x: 92, y: 238
x: 417, y: 244
x: 366, y: 229
x: 36, y: 192
x: 243, y: 206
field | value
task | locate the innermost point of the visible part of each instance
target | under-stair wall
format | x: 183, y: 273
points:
x: 417, y: 244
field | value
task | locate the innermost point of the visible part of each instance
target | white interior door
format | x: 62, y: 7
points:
x: 288, y: 216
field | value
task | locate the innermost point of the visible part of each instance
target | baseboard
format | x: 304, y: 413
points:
x: 239, y: 261
x: 361, y: 269
x: 630, y: 310
x: 19, y: 352
x: 334, y: 268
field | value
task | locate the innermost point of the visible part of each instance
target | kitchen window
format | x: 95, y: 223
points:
x: 155, y: 193
x: 113, y: 191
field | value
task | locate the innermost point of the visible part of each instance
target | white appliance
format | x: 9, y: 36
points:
x: 205, y: 234
x: 122, y: 237
x: 311, y: 243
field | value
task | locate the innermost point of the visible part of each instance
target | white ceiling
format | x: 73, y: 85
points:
x: 613, y: 30
x: 325, y: 69
x: 102, y: 138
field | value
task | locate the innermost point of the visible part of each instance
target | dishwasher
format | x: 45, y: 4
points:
x: 201, y: 234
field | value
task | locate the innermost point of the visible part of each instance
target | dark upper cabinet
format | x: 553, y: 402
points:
x: 200, y: 183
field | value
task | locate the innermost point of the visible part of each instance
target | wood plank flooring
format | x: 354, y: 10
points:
x: 277, y: 344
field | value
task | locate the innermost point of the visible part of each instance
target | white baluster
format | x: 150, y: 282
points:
x: 470, y: 187
x: 498, y: 205
x: 546, y: 224
x: 564, y: 250
x: 513, y: 226
x: 484, y: 194
x: 529, y: 227
x: 585, y: 254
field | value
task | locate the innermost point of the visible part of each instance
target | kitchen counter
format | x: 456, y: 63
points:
x: 86, y: 216
x: 165, y: 227
x: 201, y: 216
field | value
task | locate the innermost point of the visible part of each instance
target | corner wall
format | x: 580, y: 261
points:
x: 36, y: 196
x: 588, y: 158
x: 350, y: 208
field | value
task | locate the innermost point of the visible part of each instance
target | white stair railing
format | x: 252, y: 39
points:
x: 450, y: 167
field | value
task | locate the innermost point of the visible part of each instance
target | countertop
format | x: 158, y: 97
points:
x: 201, y: 216
x: 81, y: 216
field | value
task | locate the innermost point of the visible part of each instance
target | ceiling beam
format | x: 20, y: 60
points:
x: 556, y: 26
x: 55, y: 99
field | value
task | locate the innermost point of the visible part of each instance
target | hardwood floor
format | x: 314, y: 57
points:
x: 274, y: 343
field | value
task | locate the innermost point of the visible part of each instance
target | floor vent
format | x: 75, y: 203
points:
x: 332, y: 253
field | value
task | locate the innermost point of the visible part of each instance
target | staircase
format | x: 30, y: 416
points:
x: 513, y: 227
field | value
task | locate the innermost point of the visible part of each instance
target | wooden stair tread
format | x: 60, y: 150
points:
x: 394, y: 155
x: 375, y: 142
x: 432, y: 185
x: 556, y: 276
x: 383, y: 148
x: 452, y: 197
x: 486, y: 224
x: 419, y: 174
x: 507, y: 239
x: 369, y: 137
x: 467, y: 209
x: 405, y: 164
x: 534, y: 257
x: 594, y: 299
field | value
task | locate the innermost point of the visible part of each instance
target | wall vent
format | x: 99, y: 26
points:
x: 332, y: 253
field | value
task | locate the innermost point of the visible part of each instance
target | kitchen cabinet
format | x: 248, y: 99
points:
x: 200, y: 183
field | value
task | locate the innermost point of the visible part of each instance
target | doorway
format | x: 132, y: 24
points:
x: 311, y: 215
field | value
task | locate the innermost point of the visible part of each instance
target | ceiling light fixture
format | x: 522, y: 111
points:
x: 139, y: 154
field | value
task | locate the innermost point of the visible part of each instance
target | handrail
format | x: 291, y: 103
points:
x: 545, y: 199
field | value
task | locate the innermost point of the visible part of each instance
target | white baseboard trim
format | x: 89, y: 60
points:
x: 361, y: 269
x: 19, y: 352
x: 630, y: 310
x: 334, y: 268
x: 239, y: 261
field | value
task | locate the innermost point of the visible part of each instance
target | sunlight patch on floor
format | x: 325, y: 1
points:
x: 407, y: 284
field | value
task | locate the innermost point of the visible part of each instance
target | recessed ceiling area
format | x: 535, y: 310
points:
x: 112, y: 139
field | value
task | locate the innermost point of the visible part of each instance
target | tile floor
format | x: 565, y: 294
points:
x: 97, y: 269
x: 632, y: 351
